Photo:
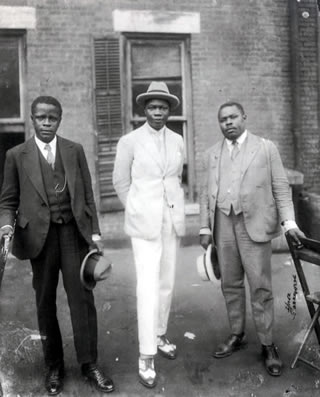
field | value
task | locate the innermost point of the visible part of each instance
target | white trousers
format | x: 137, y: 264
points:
x: 155, y: 262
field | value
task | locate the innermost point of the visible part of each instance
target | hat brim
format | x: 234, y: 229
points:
x: 87, y: 284
x: 172, y: 99
x: 206, y: 269
x: 214, y: 262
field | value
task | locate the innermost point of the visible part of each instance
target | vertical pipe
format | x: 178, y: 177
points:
x: 295, y: 69
x: 318, y: 58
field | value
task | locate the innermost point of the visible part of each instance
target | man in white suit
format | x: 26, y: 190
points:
x: 147, y: 179
x: 244, y: 197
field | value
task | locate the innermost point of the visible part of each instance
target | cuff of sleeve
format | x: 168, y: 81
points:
x: 7, y: 226
x: 204, y: 230
x: 287, y: 225
x: 96, y: 237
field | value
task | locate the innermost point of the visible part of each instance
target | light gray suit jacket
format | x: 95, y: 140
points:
x: 144, y: 184
x: 265, y: 195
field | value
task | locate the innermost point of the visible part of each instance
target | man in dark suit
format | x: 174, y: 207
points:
x: 47, y: 204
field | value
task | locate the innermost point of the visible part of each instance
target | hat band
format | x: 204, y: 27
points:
x: 158, y: 91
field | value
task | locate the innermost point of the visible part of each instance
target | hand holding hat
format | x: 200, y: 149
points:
x: 95, y: 267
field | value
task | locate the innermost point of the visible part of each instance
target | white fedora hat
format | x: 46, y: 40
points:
x: 158, y: 90
x: 208, y: 266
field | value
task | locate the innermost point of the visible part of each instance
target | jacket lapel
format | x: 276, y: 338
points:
x: 215, y: 160
x: 251, y: 149
x: 32, y: 167
x: 150, y: 146
x: 68, y: 157
x: 170, y: 149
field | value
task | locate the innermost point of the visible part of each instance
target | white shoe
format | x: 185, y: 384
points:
x: 166, y: 349
x: 147, y: 373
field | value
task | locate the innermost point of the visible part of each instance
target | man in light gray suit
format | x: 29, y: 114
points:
x: 244, y: 198
x: 147, y: 179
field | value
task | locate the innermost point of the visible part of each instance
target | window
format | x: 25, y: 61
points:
x: 123, y: 69
x: 161, y: 58
x: 12, y: 77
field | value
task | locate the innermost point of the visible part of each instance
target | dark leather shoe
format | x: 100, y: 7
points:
x: 54, y: 381
x: 93, y: 374
x: 166, y: 348
x: 272, y: 360
x: 232, y: 344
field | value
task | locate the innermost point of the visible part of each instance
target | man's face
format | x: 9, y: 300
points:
x: 46, y: 120
x: 157, y: 112
x: 232, y: 122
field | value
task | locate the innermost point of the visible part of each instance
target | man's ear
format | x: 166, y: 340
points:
x: 244, y: 116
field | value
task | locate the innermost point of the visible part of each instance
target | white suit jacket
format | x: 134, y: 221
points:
x: 265, y: 196
x: 145, y: 184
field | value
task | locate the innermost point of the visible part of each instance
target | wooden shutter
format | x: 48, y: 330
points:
x: 108, y: 115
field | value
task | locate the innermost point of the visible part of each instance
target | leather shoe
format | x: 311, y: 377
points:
x: 232, y: 344
x: 147, y: 373
x: 54, y: 380
x: 166, y: 349
x: 93, y: 374
x: 272, y: 360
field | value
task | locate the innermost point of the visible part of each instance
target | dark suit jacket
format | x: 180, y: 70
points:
x: 23, y: 200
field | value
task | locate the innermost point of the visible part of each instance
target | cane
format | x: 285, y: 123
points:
x: 5, y: 241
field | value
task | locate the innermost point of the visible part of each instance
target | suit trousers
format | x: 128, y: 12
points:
x: 238, y: 256
x: 64, y: 250
x: 155, y: 262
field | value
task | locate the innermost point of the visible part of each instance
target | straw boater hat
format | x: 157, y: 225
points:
x: 208, y: 266
x: 158, y: 90
x: 94, y: 267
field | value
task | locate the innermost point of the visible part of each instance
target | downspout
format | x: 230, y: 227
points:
x: 318, y: 58
x: 295, y: 69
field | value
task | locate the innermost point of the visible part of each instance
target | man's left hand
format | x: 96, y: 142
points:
x: 295, y: 234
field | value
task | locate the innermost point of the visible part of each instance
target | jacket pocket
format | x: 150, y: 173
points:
x: 22, y: 221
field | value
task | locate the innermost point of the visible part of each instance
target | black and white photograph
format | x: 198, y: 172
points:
x: 160, y: 198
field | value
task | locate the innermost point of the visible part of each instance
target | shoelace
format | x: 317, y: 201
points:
x: 98, y: 375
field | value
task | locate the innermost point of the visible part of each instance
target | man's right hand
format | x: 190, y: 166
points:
x: 205, y: 240
x: 6, y: 231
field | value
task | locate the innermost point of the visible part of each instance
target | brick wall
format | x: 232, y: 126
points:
x: 308, y: 155
x: 242, y: 53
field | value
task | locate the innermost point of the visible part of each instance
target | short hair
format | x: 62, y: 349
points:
x: 49, y: 100
x: 231, y: 103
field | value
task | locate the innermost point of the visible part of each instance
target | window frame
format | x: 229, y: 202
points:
x: 17, y: 124
x: 127, y: 39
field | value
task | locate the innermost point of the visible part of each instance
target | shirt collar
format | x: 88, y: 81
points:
x: 41, y: 145
x: 240, y: 140
x: 156, y: 132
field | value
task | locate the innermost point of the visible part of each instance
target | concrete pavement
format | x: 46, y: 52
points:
x: 198, y: 323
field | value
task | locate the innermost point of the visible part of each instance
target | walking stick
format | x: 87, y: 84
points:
x: 4, y: 250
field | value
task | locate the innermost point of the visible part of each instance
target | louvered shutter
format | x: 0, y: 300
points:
x: 108, y: 116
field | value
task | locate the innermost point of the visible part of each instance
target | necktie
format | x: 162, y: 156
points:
x: 50, y: 156
x: 235, y: 150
